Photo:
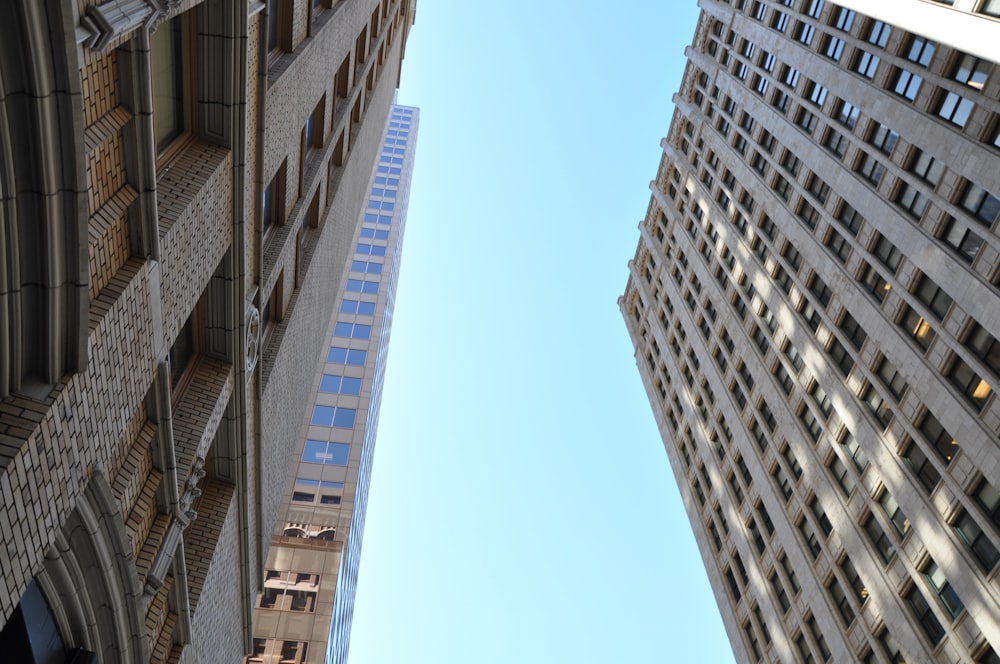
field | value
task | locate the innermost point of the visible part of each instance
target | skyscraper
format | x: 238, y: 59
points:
x: 179, y: 186
x: 304, y: 613
x: 815, y: 307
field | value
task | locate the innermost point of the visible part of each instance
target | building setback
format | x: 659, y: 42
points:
x: 815, y: 307
x: 180, y: 183
x: 304, y: 613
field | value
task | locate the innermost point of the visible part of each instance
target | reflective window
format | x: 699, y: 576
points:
x: 350, y: 356
x: 329, y: 454
x: 340, y: 385
x: 352, y: 330
x: 327, y: 416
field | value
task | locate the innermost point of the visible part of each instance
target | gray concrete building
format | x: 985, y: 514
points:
x: 180, y: 187
x: 305, y: 611
x: 815, y: 307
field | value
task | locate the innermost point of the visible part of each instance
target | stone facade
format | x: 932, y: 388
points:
x: 161, y: 300
x: 815, y: 306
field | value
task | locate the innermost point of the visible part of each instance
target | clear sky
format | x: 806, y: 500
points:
x: 522, y: 507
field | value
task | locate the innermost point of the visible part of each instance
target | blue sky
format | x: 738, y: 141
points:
x: 522, y: 508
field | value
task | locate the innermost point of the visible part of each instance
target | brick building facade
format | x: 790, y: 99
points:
x: 180, y: 183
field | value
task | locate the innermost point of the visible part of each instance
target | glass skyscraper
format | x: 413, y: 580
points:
x: 305, y: 612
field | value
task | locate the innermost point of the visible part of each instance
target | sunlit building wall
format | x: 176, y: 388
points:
x: 179, y: 186
x: 815, y: 307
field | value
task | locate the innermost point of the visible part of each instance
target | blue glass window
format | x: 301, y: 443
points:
x: 355, y: 286
x: 325, y: 416
x: 378, y: 251
x: 358, y: 266
x: 340, y: 385
x: 352, y: 330
x: 330, y: 454
x: 384, y: 220
x: 369, y: 217
x: 370, y: 287
x: 344, y: 418
x: 355, y: 307
x: 396, y: 171
x: 374, y: 204
x: 368, y: 232
x: 383, y: 169
x: 389, y: 193
x: 377, y: 192
x: 386, y: 205
x: 354, y: 358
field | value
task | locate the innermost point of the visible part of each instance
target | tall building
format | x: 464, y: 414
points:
x: 180, y: 181
x: 815, y: 307
x: 304, y: 613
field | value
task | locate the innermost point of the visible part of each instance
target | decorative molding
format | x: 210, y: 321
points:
x: 104, y: 24
x: 252, y: 337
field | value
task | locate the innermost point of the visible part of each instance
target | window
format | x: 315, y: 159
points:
x: 361, y: 286
x: 984, y: 346
x: 925, y: 616
x: 921, y: 465
x: 846, y: 113
x: 804, y: 33
x: 780, y: 21
x: 786, y: 567
x: 874, y: 283
x: 844, y: 19
x: 806, y: 120
x: 835, y: 142
x: 833, y: 47
x: 978, y: 542
x: 289, y: 591
x: 809, y: 536
x: 969, y: 383
x: 850, y: 218
x: 961, y: 239
x: 790, y: 76
x: 852, y: 330
x: 920, y: 51
x: 815, y: 7
x: 839, y: 473
x: 954, y: 108
x: 779, y: 592
x: 352, y: 330
x: 878, y: 33
x: 854, y: 580
x: 850, y: 446
x: 866, y: 63
x: 917, y: 326
x: 891, y: 509
x: 882, y: 137
x: 348, y: 356
x: 183, y: 352
x: 887, y: 253
x: 981, y: 204
x: 841, y: 358
x: 881, y: 542
x: 312, y: 132
x: 906, y: 84
x: 751, y: 636
x: 168, y: 49
x: 277, y: 22
x: 330, y: 454
x: 839, y: 599
x: 340, y: 385
x: 330, y: 416
x: 273, y: 201
x: 928, y: 292
x: 990, y: 8
x: 820, y: 515
x: 971, y: 71
x: 870, y: 168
